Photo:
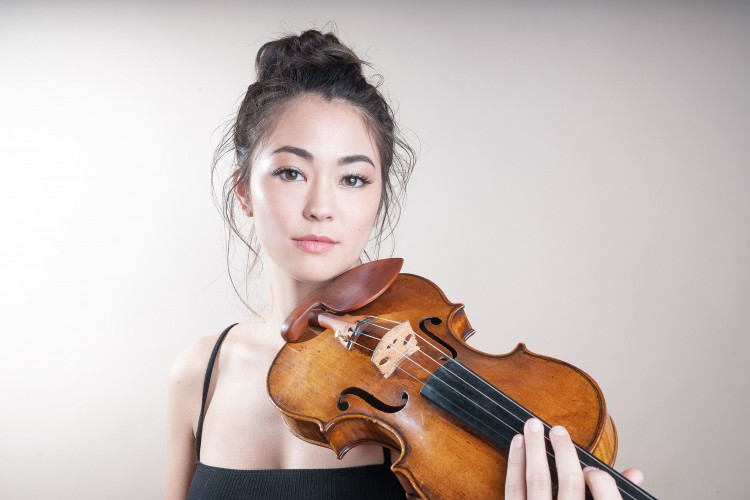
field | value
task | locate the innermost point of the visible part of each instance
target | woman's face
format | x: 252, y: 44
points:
x: 316, y: 176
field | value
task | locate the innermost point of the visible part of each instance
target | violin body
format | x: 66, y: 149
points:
x: 337, y: 397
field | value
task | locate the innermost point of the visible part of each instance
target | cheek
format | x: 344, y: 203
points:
x: 366, y: 215
x: 271, y: 211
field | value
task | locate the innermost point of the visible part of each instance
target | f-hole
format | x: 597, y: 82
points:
x: 370, y: 399
x: 436, y: 321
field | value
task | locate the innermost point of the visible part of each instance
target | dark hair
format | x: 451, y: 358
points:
x: 318, y: 64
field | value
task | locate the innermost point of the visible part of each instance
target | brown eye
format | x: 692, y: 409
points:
x: 355, y: 181
x: 288, y: 174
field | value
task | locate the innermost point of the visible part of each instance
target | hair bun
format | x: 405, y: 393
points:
x: 286, y: 57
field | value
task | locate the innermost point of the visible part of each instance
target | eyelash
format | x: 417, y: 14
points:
x: 282, y: 170
x: 365, y: 180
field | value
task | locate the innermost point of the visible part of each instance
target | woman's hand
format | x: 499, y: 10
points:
x: 528, y: 474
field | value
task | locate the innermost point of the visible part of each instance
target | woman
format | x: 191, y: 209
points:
x: 319, y: 165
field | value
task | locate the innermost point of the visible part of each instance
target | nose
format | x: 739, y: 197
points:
x: 320, y: 203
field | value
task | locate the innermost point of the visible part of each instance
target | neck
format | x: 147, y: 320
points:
x: 284, y: 294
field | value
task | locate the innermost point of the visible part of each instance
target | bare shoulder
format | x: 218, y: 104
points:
x: 189, y: 367
x: 184, y: 392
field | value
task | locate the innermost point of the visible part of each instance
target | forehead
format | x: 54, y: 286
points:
x: 326, y: 128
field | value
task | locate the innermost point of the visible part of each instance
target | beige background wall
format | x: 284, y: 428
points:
x: 584, y: 187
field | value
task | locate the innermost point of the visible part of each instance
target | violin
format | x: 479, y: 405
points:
x: 380, y: 357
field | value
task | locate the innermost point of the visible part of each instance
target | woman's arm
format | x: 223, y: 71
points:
x: 184, y: 389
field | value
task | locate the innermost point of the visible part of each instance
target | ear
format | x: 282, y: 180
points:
x: 242, y: 195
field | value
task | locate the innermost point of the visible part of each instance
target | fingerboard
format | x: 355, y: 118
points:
x: 490, y: 412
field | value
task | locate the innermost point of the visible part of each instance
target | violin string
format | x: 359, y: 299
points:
x: 408, y: 357
x: 444, y: 367
x: 415, y: 333
x: 405, y: 355
x: 397, y: 367
x: 490, y: 386
x: 551, y: 455
x: 503, y: 395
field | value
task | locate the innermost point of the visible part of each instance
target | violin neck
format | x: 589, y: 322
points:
x: 490, y: 412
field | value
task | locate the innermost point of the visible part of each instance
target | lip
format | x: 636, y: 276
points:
x: 314, y: 243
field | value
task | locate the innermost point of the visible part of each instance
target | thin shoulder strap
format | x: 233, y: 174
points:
x: 387, y: 457
x: 206, y: 383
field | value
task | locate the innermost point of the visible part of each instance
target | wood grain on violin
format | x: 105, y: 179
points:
x: 401, y: 375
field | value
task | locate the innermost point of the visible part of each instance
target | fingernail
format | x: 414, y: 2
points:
x: 558, y: 431
x: 589, y: 468
x: 535, y: 425
x: 518, y: 441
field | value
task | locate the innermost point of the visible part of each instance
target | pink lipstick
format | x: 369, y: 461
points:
x: 313, y: 243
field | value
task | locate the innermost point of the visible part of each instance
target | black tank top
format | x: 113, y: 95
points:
x: 367, y: 482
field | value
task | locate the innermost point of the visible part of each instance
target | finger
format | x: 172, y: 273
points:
x: 515, y: 477
x: 570, y: 483
x: 635, y: 475
x: 538, y: 482
x: 601, y: 484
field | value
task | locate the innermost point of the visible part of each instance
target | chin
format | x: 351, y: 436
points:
x: 321, y: 270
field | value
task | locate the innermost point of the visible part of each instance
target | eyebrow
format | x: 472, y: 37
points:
x: 303, y: 153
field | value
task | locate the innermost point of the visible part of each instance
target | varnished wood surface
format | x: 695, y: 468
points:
x: 439, y: 457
